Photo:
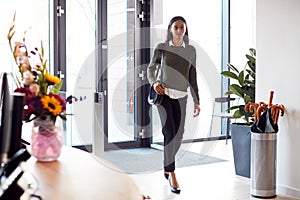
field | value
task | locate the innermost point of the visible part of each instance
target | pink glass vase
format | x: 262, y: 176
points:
x: 46, y: 140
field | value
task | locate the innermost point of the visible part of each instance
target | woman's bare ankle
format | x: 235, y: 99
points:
x: 173, y: 180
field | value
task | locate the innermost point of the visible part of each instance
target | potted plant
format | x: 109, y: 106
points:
x: 243, y: 86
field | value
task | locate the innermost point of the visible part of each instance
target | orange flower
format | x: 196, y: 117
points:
x: 52, y: 79
x: 52, y: 104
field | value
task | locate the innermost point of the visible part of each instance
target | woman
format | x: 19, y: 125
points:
x: 178, y: 73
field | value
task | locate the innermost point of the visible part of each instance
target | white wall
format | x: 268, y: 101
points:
x: 278, y: 69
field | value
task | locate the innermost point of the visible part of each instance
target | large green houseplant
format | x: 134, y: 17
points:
x: 242, y: 84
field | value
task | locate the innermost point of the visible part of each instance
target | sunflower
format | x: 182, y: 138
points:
x: 52, y: 79
x: 52, y: 104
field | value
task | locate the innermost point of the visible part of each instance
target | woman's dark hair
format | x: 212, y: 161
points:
x: 169, y: 34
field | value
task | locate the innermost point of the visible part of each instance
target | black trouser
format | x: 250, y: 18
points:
x: 172, y: 115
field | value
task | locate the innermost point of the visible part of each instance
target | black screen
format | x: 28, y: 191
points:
x: 5, y: 117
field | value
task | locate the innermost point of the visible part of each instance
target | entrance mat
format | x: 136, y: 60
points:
x: 141, y: 160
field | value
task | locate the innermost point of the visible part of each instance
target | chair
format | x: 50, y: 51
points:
x: 222, y: 115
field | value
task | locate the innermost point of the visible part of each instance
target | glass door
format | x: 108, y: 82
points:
x: 120, y: 70
x: 80, y: 70
x: 101, y: 67
x: 122, y: 88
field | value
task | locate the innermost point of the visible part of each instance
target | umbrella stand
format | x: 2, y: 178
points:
x: 263, y: 165
x: 263, y: 147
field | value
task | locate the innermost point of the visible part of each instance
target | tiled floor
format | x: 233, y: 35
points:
x: 205, y: 182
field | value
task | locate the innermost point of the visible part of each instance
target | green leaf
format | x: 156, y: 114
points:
x: 241, y: 78
x: 232, y: 108
x: 56, y: 88
x: 246, y: 78
x: 236, y: 89
x: 229, y: 75
x: 233, y: 68
x: 238, y: 114
x: 228, y: 93
x: 250, y: 58
x: 247, y: 99
x: 251, y: 66
x: 252, y: 52
x: 63, y: 117
x: 250, y: 73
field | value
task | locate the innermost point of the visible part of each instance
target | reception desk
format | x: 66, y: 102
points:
x: 79, y: 175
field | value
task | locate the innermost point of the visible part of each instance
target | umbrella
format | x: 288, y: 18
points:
x: 266, y: 115
x: 265, y: 123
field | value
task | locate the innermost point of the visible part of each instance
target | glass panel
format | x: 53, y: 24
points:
x: 80, y: 48
x: 120, y: 71
x: 242, y: 30
x: 204, y: 26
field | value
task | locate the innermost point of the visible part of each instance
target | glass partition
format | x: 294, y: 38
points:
x: 80, y: 68
x: 121, y: 70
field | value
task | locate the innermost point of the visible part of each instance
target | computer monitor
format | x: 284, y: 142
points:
x: 5, y: 105
x: 11, y: 119
x: 11, y: 152
x: 15, y: 143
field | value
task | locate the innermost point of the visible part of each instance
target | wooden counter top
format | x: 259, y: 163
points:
x: 79, y: 175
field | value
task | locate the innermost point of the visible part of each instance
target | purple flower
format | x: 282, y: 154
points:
x: 35, y: 106
x: 71, y: 98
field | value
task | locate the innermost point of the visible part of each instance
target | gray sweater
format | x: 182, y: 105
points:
x: 179, y: 68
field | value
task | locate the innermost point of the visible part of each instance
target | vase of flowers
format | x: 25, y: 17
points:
x: 46, y: 139
x: 43, y: 103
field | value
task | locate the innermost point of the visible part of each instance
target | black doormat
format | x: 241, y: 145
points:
x: 141, y: 160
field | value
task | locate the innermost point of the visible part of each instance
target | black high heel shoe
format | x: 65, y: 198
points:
x: 174, y: 189
x: 166, y: 176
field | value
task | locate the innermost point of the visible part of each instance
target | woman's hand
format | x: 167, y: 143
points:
x: 159, y: 89
x: 196, y: 110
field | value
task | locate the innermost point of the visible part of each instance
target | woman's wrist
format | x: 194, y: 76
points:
x: 155, y: 84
